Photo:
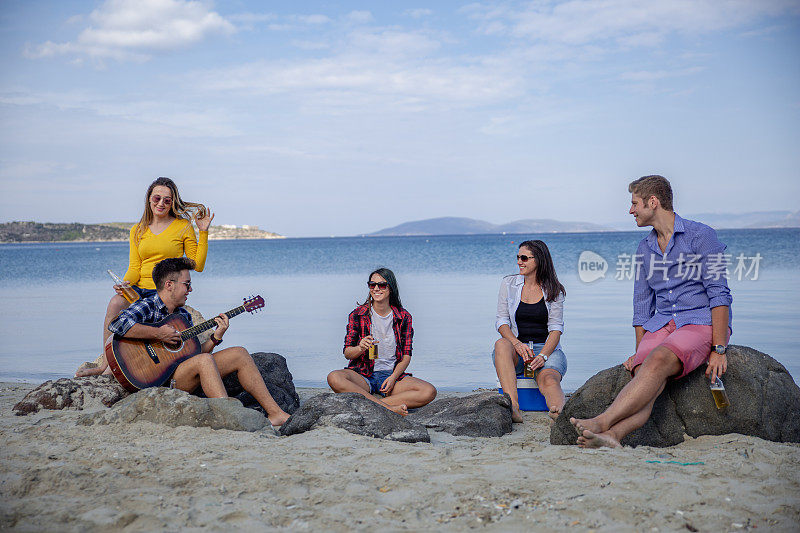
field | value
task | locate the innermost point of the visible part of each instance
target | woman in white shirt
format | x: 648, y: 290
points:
x: 530, y: 309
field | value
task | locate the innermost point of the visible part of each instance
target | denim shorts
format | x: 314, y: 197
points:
x: 376, y: 380
x: 143, y: 293
x: 557, y: 361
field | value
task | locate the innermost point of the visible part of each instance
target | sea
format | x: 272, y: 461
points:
x: 53, y: 298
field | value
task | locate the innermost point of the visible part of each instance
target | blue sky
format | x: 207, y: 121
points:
x: 340, y: 118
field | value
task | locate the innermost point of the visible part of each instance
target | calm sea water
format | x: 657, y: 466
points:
x: 53, y: 298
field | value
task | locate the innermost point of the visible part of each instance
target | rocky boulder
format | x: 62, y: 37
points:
x: 277, y: 377
x: 356, y: 414
x: 172, y: 407
x: 74, y: 393
x: 480, y: 415
x: 764, y: 403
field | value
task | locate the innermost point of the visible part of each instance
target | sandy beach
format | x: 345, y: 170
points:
x: 56, y: 475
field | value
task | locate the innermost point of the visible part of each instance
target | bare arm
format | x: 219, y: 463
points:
x: 718, y: 363
x: 354, y: 352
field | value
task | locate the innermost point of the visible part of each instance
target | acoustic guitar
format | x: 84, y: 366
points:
x: 138, y: 363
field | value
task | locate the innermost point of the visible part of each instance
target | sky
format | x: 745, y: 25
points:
x: 342, y: 118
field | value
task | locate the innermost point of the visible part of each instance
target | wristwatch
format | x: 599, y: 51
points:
x: 720, y: 348
x: 215, y: 340
x: 545, y: 357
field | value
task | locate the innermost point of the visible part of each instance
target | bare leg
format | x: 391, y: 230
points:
x: 115, y: 305
x: 505, y: 359
x: 236, y: 359
x: 200, y: 370
x: 636, y: 398
x: 347, y: 380
x: 411, y: 392
x: 549, y: 383
x: 612, y: 437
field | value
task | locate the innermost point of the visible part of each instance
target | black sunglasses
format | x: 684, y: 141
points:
x: 524, y: 258
x: 379, y: 284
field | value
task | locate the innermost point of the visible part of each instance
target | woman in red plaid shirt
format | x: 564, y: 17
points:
x: 381, y: 321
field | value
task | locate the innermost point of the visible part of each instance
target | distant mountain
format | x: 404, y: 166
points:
x: 753, y: 219
x: 470, y: 226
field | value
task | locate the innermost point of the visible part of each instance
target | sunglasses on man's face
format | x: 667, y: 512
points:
x: 524, y: 258
x: 377, y: 284
x: 156, y: 199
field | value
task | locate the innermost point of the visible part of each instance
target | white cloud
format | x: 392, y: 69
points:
x: 359, y: 16
x: 134, y: 29
x: 625, y: 22
x: 418, y: 13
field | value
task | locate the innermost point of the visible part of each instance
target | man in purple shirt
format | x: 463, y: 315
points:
x: 681, y: 311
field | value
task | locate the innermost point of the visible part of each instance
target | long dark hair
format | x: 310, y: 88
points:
x: 545, y: 271
x: 179, y: 208
x: 394, y: 291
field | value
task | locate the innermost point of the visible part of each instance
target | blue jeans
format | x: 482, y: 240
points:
x: 377, y: 380
x: 557, y: 361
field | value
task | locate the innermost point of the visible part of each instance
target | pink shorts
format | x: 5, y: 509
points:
x: 691, y: 343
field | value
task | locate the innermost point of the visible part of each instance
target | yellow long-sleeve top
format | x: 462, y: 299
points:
x: 175, y: 241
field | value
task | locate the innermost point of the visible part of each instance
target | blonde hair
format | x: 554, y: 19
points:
x: 178, y: 209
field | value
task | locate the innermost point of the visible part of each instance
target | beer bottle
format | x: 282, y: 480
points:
x: 127, y: 292
x: 719, y: 394
x: 527, y: 371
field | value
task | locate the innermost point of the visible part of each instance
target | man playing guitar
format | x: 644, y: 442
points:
x: 173, y: 285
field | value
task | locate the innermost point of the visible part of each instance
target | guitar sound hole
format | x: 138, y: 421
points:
x: 173, y: 346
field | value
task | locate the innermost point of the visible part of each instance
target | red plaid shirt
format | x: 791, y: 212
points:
x: 358, y: 326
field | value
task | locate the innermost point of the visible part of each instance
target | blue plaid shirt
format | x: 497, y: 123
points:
x: 145, y: 311
x: 682, y: 283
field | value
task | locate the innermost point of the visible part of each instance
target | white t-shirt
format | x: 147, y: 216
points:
x: 383, y: 332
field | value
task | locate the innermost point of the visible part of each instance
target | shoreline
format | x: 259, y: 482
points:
x: 143, y: 476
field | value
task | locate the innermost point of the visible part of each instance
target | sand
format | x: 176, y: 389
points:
x: 58, y: 476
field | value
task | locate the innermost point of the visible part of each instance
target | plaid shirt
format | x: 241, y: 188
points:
x: 358, y: 327
x: 144, y: 311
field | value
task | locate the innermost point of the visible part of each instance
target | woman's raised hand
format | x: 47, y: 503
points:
x: 203, y: 223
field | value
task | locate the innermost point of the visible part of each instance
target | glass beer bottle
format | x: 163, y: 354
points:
x: 127, y: 292
x: 527, y: 371
x: 373, y: 350
x: 719, y: 394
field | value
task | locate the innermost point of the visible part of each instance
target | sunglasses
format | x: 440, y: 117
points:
x: 156, y: 199
x: 524, y: 258
x: 377, y: 284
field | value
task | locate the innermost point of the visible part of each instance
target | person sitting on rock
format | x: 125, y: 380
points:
x: 681, y: 311
x: 530, y: 320
x: 206, y: 370
x: 382, y: 323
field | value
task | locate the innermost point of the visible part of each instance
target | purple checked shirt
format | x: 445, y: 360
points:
x: 684, y: 282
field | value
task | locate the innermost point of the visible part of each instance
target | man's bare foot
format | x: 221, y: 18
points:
x: 278, y: 419
x: 582, y: 424
x: 587, y: 439
x: 89, y: 371
x: 516, y: 415
x: 554, y: 412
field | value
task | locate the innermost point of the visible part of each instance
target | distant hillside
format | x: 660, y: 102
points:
x: 54, y: 232
x: 111, y: 231
x: 753, y: 219
x: 470, y: 226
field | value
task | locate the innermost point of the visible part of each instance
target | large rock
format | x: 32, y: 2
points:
x: 72, y: 393
x: 277, y: 378
x: 764, y: 403
x: 356, y: 414
x: 479, y: 415
x: 172, y: 407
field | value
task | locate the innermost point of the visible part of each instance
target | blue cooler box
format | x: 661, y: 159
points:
x: 530, y: 399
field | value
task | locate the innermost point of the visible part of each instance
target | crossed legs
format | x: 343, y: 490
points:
x: 632, y: 407
x: 207, y: 371
x: 407, y: 393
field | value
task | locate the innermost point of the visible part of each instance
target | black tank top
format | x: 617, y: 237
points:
x: 531, y: 321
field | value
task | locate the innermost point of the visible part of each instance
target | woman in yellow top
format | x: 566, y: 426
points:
x: 164, y: 231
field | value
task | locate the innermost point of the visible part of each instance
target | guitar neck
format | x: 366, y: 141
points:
x: 196, y: 330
